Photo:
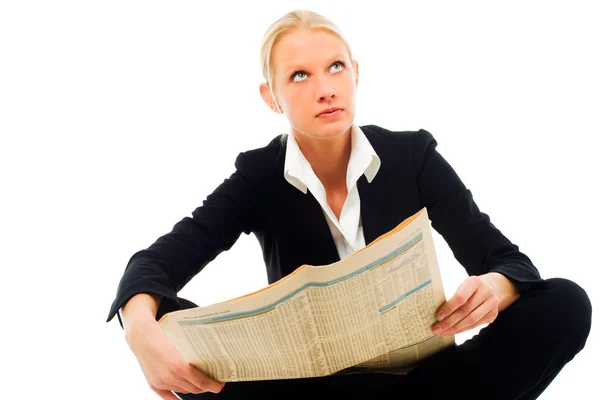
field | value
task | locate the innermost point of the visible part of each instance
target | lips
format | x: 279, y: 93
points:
x: 328, y: 111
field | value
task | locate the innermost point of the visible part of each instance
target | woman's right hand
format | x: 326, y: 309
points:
x: 162, y: 364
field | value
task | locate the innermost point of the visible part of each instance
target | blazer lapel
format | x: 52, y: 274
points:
x: 370, y: 208
x: 307, y: 226
x: 324, y: 248
x: 381, y: 200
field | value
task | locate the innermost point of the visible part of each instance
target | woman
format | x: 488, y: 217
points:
x: 334, y: 187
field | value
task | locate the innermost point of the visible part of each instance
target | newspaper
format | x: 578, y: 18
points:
x: 371, y: 311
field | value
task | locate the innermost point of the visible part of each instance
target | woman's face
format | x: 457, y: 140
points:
x: 312, y: 72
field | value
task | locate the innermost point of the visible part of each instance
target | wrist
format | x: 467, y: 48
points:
x: 139, y: 310
x: 503, y: 288
x: 136, y: 328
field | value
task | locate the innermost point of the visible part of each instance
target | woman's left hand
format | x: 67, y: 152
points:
x: 477, y: 301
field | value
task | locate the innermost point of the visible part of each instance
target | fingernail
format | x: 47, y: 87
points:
x: 437, y: 330
x: 440, y: 316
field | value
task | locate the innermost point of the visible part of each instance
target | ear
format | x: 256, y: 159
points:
x: 265, y: 93
x: 355, y: 65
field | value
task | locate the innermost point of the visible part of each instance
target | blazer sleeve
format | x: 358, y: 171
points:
x: 476, y: 243
x: 175, y: 258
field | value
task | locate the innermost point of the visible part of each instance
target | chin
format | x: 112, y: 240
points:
x: 318, y: 129
x: 331, y: 128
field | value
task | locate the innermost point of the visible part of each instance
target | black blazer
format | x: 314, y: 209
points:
x: 292, y: 230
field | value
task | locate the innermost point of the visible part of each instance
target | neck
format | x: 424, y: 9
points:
x: 328, y: 157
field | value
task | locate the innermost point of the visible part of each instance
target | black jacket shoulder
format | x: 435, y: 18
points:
x: 260, y: 165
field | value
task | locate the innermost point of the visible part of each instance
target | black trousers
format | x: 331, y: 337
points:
x: 515, y: 357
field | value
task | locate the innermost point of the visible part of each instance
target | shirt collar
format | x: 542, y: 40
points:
x: 363, y: 160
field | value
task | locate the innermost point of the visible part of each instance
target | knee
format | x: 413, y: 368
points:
x: 570, y: 310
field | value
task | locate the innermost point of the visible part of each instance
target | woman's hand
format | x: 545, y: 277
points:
x: 162, y: 364
x: 477, y: 301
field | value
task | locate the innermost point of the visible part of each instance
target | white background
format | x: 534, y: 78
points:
x: 119, y: 117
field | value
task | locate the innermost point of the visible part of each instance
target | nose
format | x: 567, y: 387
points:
x: 324, y: 89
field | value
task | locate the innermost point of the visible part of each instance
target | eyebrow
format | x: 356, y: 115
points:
x: 297, y: 67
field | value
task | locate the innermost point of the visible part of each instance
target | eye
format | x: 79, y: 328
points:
x: 339, y: 64
x: 301, y: 74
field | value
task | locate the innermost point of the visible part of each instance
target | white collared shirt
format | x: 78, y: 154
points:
x: 347, y: 232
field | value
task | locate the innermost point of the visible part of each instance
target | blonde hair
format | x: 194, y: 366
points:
x: 292, y: 20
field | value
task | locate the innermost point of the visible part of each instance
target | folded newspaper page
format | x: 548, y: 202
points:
x: 371, y: 311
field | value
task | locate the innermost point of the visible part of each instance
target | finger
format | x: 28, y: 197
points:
x: 488, y: 318
x: 201, y: 380
x: 182, y: 378
x: 475, y: 318
x: 187, y: 386
x: 463, y: 293
x: 478, y: 298
x: 176, y: 383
